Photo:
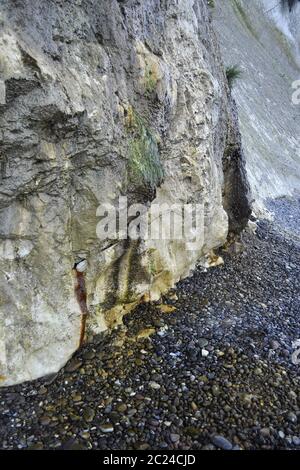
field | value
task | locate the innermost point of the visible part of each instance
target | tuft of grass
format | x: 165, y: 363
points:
x: 233, y: 73
x: 145, y: 167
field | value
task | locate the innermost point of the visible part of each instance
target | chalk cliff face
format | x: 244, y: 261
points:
x: 99, y: 100
x: 263, y: 38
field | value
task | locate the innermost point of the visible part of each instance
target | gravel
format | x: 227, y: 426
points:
x: 286, y: 213
x: 132, y: 390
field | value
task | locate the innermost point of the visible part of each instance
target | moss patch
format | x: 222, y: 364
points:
x: 151, y: 78
x: 152, y: 262
x: 285, y: 46
x: 244, y: 17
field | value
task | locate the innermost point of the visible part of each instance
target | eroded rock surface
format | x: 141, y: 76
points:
x: 100, y: 100
x: 262, y: 38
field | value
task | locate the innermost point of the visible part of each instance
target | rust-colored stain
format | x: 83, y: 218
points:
x: 80, y: 292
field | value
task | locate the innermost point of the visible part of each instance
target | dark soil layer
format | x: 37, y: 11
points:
x: 219, y: 365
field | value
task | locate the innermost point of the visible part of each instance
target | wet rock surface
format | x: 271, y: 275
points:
x: 131, y: 391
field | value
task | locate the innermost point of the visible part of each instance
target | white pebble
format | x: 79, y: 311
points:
x: 81, y: 266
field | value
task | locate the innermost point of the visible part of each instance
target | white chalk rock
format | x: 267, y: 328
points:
x: 81, y: 266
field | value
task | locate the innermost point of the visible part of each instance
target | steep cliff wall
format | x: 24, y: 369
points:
x: 101, y: 99
x: 263, y: 38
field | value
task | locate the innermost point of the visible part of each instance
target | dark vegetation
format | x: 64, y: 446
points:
x: 233, y: 73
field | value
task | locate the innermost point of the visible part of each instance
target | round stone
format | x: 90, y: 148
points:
x: 106, y: 428
x: 222, y: 442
